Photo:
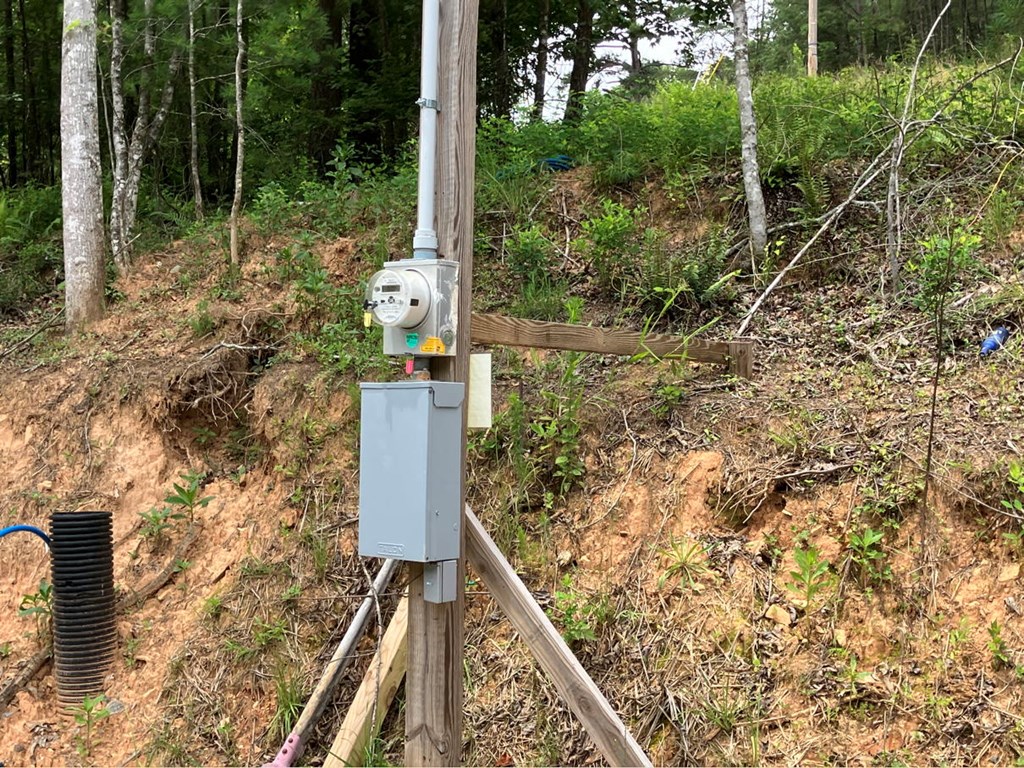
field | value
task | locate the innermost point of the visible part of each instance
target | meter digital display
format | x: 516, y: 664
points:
x: 390, y: 288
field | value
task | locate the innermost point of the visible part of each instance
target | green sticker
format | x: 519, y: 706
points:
x: 412, y: 340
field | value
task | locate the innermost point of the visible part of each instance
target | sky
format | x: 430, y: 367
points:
x: 663, y: 51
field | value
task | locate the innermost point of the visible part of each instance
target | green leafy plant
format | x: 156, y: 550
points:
x: 40, y: 606
x: 265, y: 633
x: 687, y: 562
x: 578, y: 616
x: 202, y: 323
x: 88, y: 714
x: 1001, y: 655
x: 867, y: 553
x: 945, y: 262
x: 187, y: 495
x: 558, y: 429
x: 156, y: 522
x: 1015, y: 477
x: 811, y: 575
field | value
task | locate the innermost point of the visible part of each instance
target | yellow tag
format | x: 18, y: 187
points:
x: 432, y: 346
x: 367, y: 319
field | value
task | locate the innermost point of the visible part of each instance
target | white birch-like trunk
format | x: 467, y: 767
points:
x: 236, y: 204
x: 130, y: 154
x: 119, y: 158
x: 81, y: 183
x: 756, y: 214
x: 197, y: 188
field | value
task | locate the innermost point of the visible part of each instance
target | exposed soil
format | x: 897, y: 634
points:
x: 676, y: 553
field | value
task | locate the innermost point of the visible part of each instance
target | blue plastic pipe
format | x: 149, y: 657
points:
x: 30, y: 528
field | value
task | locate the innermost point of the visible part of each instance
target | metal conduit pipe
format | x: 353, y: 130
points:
x: 295, y: 744
x: 424, y: 242
x: 84, y: 628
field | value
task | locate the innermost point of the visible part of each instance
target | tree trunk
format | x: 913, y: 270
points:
x: 129, y: 155
x: 633, y: 35
x: 197, y: 189
x: 236, y: 204
x: 30, y: 130
x: 582, y: 52
x: 812, y: 38
x: 756, y: 214
x: 12, y: 133
x: 119, y: 158
x: 81, y: 185
x: 540, y: 81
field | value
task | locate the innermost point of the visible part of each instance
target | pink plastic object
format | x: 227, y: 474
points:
x: 288, y: 751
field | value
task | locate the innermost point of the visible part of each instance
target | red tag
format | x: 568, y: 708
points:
x: 409, y: 365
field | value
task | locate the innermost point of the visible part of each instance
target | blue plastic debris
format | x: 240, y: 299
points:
x: 995, y: 341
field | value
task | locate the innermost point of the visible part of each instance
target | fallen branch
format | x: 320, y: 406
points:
x: 20, y: 680
x: 917, y: 129
x: 136, y: 599
x: 870, y: 174
x: 48, y: 324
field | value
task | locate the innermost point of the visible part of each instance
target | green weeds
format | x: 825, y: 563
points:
x: 92, y: 710
x: 687, y: 562
x: 811, y: 575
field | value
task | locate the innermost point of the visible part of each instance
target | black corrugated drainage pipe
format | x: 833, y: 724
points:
x: 84, y: 629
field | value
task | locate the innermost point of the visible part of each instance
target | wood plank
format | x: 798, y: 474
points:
x: 433, y: 706
x: 516, y: 332
x: 574, y: 685
x: 378, y: 689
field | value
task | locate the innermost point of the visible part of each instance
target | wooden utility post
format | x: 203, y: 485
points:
x: 433, y: 689
x: 812, y: 38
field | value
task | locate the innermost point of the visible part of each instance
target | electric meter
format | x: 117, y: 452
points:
x: 415, y: 300
x: 398, y: 298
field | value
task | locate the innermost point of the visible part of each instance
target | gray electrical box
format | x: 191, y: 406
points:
x: 410, y: 470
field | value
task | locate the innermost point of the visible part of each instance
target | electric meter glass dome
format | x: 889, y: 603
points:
x: 398, y: 298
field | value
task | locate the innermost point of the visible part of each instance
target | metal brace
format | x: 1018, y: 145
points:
x: 429, y: 104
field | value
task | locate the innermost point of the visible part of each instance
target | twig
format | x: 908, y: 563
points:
x: 870, y: 174
x: 894, y: 221
x: 34, y: 664
x: 135, y: 599
x: 48, y: 324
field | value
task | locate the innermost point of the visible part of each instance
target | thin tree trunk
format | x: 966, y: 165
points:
x: 30, y: 113
x: 12, y: 133
x: 582, y: 53
x: 893, y: 208
x: 541, y: 73
x: 236, y: 204
x: 197, y: 189
x: 130, y: 154
x: 119, y: 158
x: 635, y: 62
x: 81, y: 185
x: 812, y: 38
x: 756, y: 214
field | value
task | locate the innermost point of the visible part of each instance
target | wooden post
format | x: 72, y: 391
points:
x: 371, y: 702
x: 812, y: 38
x: 575, y: 686
x: 433, y: 689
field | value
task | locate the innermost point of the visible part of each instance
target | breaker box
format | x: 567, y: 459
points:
x: 410, y: 473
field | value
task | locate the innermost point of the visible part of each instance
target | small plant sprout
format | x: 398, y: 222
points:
x: 687, y: 561
x: 866, y: 551
x: 811, y: 575
x: 40, y: 605
x: 997, y: 645
x: 87, y: 714
x: 187, y: 496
